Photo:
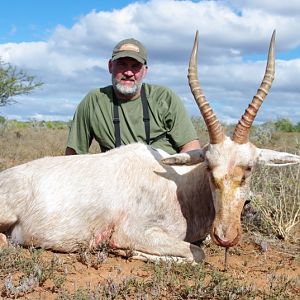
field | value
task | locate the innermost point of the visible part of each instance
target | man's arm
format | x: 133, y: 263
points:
x: 70, y: 151
x: 192, y: 145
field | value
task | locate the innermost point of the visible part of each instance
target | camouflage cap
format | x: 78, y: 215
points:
x: 130, y: 48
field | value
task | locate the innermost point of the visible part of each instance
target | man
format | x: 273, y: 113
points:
x: 130, y: 111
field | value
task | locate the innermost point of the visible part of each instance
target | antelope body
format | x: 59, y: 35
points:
x: 140, y: 199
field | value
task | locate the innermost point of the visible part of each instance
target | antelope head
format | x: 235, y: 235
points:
x: 230, y: 160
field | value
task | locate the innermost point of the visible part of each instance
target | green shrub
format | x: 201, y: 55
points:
x: 284, y: 125
x: 297, y: 127
x: 2, y: 120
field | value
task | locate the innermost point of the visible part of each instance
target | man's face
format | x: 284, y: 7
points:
x: 127, y: 76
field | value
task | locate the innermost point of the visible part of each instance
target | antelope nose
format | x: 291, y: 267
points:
x: 223, y: 242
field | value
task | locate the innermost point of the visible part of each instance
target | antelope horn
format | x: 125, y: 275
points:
x: 214, y: 127
x: 242, y: 129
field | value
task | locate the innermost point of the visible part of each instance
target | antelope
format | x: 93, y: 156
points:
x: 141, y: 201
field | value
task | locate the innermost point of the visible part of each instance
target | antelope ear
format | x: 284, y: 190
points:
x: 189, y: 158
x: 277, y: 159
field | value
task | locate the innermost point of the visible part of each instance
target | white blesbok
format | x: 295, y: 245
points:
x: 140, y: 200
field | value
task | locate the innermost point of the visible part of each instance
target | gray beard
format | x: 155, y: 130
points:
x: 126, y: 90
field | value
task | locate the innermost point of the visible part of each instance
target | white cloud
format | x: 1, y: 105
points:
x: 233, y: 34
x: 290, y: 8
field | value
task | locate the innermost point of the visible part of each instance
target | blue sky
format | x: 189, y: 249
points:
x: 67, y: 44
x: 34, y: 20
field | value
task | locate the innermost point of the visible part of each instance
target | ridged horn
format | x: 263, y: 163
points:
x: 242, y: 129
x: 214, y: 127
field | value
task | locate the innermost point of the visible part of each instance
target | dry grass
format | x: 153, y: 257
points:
x: 19, y: 145
x: 276, y: 198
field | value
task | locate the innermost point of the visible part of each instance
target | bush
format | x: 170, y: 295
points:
x: 263, y: 134
x: 297, y: 127
x: 284, y: 125
x: 2, y: 120
x: 276, y: 195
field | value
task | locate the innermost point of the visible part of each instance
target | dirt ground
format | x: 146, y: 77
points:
x: 254, y: 261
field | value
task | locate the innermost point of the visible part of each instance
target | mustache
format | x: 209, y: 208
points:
x: 131, y: 78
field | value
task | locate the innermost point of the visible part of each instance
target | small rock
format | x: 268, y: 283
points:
x: 264, y: 246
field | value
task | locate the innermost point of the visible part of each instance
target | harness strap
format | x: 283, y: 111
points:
x: 146, y: 118
x: 116, y: 119
x: 155, y: 139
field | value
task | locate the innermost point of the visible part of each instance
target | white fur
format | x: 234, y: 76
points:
x: 125, y: 196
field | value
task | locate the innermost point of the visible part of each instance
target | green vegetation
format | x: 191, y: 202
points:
x: 286, y: 125
x: 27, y: 124
x: 14, y: 82
x: 261, y: 132
x: 2, y: 120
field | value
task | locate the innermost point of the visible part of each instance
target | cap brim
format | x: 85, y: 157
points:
x: 132, y: 55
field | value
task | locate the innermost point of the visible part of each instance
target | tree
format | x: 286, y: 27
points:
x: 14, y: 82
x: 297, y: 127
x: 284, y: 125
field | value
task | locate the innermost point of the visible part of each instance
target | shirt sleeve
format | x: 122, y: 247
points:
x: 178, y: 122
x: 80, y: 134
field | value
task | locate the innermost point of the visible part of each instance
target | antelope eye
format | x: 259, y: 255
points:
x: 249, y: 168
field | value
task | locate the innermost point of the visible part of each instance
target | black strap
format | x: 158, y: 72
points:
x: 155, y: 139
x: 116, y: 119
x: 146, y: 118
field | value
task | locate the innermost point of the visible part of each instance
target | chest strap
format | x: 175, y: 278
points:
x: 116, y: 119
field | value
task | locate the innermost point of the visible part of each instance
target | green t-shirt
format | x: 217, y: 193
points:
x: 94, y: 119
